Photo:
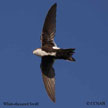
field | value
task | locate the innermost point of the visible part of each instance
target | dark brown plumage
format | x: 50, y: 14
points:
x: 49, y: 27
x: 47, y: 38
x: 49, y: 52
x: 48, y: 75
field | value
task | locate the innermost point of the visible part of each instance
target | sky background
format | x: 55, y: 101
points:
x: 81, y: 24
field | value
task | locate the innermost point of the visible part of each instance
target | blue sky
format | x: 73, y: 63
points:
x: 81, y: 24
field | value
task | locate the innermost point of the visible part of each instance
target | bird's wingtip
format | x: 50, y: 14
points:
x: 53, y: 100
x: 55, y: 4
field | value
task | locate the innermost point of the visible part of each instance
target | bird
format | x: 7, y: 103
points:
x: 49, y: 52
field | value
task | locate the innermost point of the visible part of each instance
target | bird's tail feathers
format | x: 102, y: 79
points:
x: 69, y: 53
x: 66, y: 54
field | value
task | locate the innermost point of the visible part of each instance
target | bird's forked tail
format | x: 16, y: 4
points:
x: 66, y: 54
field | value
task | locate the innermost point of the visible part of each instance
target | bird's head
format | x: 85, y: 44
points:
x: 36, y: 51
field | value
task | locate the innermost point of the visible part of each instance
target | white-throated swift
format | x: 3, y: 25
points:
x: 50, y: 52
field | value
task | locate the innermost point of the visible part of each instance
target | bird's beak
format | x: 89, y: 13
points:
x: 34, y: 52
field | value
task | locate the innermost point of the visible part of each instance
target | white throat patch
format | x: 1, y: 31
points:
x: 40, y: 52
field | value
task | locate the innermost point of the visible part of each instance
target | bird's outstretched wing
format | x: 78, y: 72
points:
x: 48, y: 76
x: 49, y: 28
